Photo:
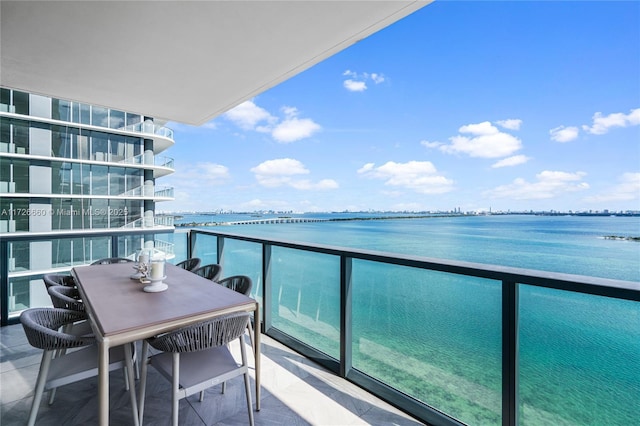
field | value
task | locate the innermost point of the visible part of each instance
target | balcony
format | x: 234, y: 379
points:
x: 448, y: 342
x: 296, y: 391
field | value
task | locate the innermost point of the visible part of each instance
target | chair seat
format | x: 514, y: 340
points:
x: 81, y: 364
x: 200, y: 370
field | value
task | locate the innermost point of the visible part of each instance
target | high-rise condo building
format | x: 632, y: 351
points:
x: 70, y: 167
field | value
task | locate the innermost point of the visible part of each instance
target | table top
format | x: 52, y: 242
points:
x: 120, y: 307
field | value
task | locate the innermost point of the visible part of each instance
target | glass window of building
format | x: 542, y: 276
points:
x: 117, y: 181
x: 118, y: 214
x: 99, y: 180
x: 60, y: 177
x: 99, y: 116
x: 99, y: 146
x: 116, y: 119
x: 21, y: 102
x: 81, y: 147
x: 21, y: 175
x: 133, y: 119
x: 99, y: 213
x: 20, y: 130
x: 133, y: 182
x: 60, y: 110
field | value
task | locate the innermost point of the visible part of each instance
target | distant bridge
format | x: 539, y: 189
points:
x: 274, y: 220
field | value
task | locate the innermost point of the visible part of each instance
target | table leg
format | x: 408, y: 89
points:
x: 103, y: 382
x: 256, y: 350
x: 128, y: 354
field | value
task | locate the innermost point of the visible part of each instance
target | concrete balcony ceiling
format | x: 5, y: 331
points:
x: 184, y: 61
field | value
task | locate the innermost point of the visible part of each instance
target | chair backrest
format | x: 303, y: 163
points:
x: 110, y: 260
x: 238, y: 283
x: 204, y: 335
x: 211, y: 272
x: 189, y: 264
x: 41, y: 328
x: 66, y: 298
x: 58, y: 279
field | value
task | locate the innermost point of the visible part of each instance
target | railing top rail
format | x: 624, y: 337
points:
x: 629, y: 290
x: 34, y: 236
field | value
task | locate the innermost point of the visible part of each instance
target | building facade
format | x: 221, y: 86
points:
x: 68, y: 167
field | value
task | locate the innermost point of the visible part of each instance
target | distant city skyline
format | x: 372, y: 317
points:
x: 478, y: 105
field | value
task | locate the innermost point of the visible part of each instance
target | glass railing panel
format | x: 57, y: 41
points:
x: 431, y: 335
x: 206, y: 248
x: 306, y: 297
x: 179, y: 241
x: 164, y: 192
x: 579, y: 359
x: 26, y: 292
x: 243, y: 258
x: 163, y: 161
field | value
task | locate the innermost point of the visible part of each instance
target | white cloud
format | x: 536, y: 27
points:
x: 377, y: 78
x: 511, y: 124
x: 294, y: 129
x: 548, y: 184
x: 486, y: 142
x: 247, y: 115
x: 200, y: 175
x: 564, y: 134
x: 320, y: 185
x: 627, y: 189
x: 418, y: 176
x: 602, y: 124
x: 358, y: 82
x: 511, y: 161
x: 484, y: 128
x: 428, y: 144
x: 281, y: 172
x: 355, y: 86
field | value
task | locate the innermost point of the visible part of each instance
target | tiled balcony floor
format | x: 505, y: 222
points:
x: 295, y: 391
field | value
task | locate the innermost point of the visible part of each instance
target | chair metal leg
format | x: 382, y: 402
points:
x: 131, y: 387
x: 175, y: 385
x: 52, y: 395
x: 125, y: 373
x: 247, y: 384
x: 143, y: 380
x: 40, y: 383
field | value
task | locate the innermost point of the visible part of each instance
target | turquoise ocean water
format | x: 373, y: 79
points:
x: 579, y: 355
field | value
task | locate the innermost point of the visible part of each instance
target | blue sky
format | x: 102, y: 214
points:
x: 507, y: 105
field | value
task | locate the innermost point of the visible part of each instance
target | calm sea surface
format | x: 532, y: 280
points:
x: 579, y: 355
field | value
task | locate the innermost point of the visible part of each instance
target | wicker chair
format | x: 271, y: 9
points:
x: 211, y: 272
x: 110, y: 260
x: 66, y: 298
x: 69, y: 298
x: 58, y: 279
x: 189, y: 264
x: 243, y: 285
x: 199, y: 357
x: 41, y: 327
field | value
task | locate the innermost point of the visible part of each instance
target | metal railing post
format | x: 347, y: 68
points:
x: 4, y: 282
x: 509, y: 353
x: 267, y: 299
x: 346, y: 319
x: 114, y: 246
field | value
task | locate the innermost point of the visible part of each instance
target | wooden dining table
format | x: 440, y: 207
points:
x: 121, y: 312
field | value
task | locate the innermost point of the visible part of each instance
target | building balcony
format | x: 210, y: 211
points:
x: 446, y: 342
